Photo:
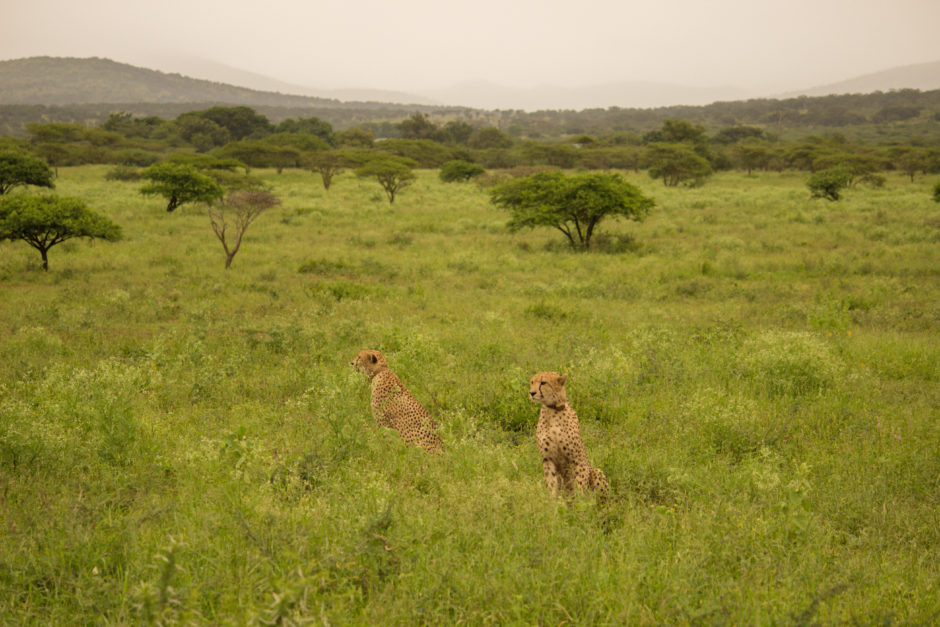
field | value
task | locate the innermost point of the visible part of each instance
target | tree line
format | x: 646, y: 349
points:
x: 679, y: 151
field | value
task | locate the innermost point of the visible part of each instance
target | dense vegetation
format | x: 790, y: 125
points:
x: 756, y: 373
x: 680, y: 152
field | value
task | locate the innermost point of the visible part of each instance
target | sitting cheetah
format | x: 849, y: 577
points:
x: 558, y: 434
x: 393, y: 405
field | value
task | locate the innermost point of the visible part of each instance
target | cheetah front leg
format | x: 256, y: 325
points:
x: 552, y: 478
x: 583, y: 478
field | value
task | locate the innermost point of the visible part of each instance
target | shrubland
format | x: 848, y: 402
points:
x: 755, y: 371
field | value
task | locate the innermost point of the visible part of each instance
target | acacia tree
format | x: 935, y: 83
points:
x: 676, y: 163
x: 42, y: 221
x: 458, y: 170
x: 575, y: 205
x: 328, y: 164
x: 238, y: 210
x: 829, y: 183
x: 750, y: 154
x: 180, y: 183
x: 392, y: 173
x: 22, y: 169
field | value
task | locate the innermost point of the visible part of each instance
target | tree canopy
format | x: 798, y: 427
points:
x: 676, y: 163
x: 44, y: 220
x: 18, y: 168
x: 575, y: 205
x: 180, y: 183
x: 458, y: 170
x: 829, y: 183
x: 238, y: 210
x: 392, y: 173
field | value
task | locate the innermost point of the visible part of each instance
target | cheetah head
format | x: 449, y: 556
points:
x: 369, y: 362
x: 548, y: 388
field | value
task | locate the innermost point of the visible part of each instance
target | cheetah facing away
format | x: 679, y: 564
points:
x: 393, y: 405
x: 558, y: 434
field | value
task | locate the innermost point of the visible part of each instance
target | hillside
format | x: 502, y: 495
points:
x: 923, y: 76
x: 65, y: 81
x: 86, y: 91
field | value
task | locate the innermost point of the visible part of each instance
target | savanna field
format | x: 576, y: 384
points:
x: 755, y: 371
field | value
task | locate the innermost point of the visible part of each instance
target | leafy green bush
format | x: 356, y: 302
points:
x: 457, y: 170
x: 828, y: 183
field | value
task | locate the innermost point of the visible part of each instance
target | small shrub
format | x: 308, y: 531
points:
x: 459, y: 171
x: 828, y: 183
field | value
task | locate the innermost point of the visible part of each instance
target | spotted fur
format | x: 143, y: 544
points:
x: 393, y: 405
x: 565, y: 463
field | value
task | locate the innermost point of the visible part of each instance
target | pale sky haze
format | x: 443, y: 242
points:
x: 426, y: 44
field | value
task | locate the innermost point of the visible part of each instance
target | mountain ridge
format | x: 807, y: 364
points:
x: 55, y: 81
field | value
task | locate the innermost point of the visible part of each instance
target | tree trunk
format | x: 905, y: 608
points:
x: 45, y: 259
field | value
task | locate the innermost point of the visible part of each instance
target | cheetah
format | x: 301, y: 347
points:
x: 393, y: 405
x: 558, y: 434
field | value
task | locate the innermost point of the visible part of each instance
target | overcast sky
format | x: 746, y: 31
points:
x: 427, y: 44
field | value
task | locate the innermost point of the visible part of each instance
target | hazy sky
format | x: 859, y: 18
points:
x: 426, y: 44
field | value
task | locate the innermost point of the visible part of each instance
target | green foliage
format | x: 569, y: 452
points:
x: 419, y: 126
x: 42, y: 221
x: 423, y: 152
x: 264, y: 153
x: 575, y: 205
x: 329, y: 163
x: 354, y: 137
x: 676, y: 163
x: 735, y: 134
x: 239, y: 122
x: 751, y: 155
x: 829, y: 183
x: 392, y: 173
x: 179, y: 184
x: 459, y: 171
x: 489, y: 137
x: 312, y: 126
x: 203, y: 133
x: 17, y: 168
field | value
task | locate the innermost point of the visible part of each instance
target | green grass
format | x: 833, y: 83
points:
x: 755, y: 371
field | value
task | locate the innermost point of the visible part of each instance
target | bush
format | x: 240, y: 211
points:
x: 460, y: 171
x: 828, y: 183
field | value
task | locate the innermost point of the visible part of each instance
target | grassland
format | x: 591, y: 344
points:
x: 755, y: 371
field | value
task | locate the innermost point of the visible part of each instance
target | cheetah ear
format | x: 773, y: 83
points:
x: 373, y: 358
x: 562, y: 378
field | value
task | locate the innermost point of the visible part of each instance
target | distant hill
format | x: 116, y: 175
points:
x: 922, y: 76
x: 197, y: 67
x: 628, y: 94
x: 67, y: 81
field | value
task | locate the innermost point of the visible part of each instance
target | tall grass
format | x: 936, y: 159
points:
x: 756, y: 372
